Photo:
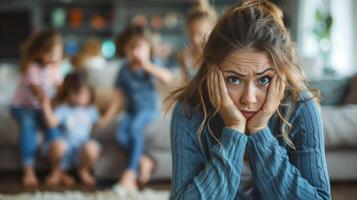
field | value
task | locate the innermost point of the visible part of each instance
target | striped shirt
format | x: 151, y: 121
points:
x: 46, y: 77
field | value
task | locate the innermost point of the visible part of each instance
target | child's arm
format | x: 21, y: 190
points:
x: 160, y: 73
x: 38, y: 92
x: 143, y: 57
x: 51, y: 119
x: 112, y: 109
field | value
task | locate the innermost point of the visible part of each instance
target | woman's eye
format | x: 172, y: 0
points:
x: 264, y: 80
x: 233, y: 80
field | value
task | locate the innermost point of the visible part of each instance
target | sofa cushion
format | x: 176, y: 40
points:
x: 9, y: 77
x: 157, y: 134
x: 333, y: 91
x: 9, y: 132
x: 351, y: 97
x: 340, y: 126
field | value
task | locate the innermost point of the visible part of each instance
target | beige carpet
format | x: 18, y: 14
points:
x: 146, y: 194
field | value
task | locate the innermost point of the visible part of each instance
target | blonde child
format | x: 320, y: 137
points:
x: 74, y: 116
x: 199, y: 22
x: 135, y: 82
x: 90, y: 56
x: 40, y: 58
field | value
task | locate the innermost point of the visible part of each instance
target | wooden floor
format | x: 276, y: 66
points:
x: 10, y: 184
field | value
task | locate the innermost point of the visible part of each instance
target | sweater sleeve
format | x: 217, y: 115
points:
x: 299, y: 174
x: 195, y: 177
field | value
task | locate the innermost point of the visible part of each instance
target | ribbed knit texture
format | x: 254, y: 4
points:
x: 278, y: 171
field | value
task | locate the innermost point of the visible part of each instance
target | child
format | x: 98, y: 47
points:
x: 135, y: 81
x: 199, y: 22
x: 40, y: 58
x: 90, y: 56
x: 75, y: 116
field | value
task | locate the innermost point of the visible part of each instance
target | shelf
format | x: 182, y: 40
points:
x: 86, y: 30
x: 81, y: 3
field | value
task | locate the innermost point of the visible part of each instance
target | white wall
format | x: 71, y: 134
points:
x: 343, y: 38
x: 343, y: 35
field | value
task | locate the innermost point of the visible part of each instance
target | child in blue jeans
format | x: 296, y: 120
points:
x: 135, y: 81
x: 74, y: 116
x: 40, y: 76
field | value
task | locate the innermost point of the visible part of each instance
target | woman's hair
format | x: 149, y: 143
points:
x: 254, y: 24
x: 91, y: 48
x: 38, y: 44
x: 201, y: 10
x: 130, y: 32
x: 73, y: 83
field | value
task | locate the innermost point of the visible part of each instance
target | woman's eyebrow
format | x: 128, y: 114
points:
x: 258, y: 73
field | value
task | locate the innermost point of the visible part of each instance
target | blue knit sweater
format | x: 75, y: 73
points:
x: 206, y: 169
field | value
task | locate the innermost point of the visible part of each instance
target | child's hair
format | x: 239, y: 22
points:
x: 131, y: 31
x: 74, y: 82
x: 38, y: 44
x: 92, y: 47
x: 201, y: 10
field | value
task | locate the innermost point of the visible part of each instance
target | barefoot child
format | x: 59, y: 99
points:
x: 40, y: 77
x: 75, y: 117
x: 135, y: 81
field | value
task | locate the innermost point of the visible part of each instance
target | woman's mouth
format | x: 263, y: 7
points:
x: 247, y: 114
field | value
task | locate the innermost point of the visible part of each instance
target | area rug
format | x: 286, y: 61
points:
x: 147, y: 194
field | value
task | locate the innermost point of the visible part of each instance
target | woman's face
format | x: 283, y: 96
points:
x: 247, y: 75
x: 198, y: 30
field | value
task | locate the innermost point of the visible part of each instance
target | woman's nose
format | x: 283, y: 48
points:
x: 248, y: 96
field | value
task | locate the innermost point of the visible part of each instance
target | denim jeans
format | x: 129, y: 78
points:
x: 29, y: 120
x: 130, y: 134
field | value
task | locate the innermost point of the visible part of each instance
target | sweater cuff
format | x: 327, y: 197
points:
x: 262, y: 136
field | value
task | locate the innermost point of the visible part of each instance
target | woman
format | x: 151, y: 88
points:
x: 247, y: 126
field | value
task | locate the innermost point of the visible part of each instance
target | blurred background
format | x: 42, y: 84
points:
x: 324, y: 31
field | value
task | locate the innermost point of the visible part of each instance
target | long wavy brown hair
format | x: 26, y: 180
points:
x: 255, y: 24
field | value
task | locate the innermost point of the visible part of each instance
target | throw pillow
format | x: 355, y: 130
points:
x: 333, y: 91
x: 340, y: 126
x: 351, y: 97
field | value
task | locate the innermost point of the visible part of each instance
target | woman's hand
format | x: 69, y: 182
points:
x: 275, y: 94
x: 220, y: 99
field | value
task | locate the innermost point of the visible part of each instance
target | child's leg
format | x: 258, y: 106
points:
x: 147, y: 166
x: 88, y: 155
x: 122, y: 134
x: 57, y: 152
x: 26, y: 119
x: 139, y: 122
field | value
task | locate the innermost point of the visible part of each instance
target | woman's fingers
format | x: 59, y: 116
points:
x: 222, y: 88
x: 217, y: 92
x: 268, y: 106
x: 275, y: 94
x: 212, y: 91
x: 209, y: 88
x: 282, y: 89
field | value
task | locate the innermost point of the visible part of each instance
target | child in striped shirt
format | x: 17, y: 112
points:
x: 41, y: 55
